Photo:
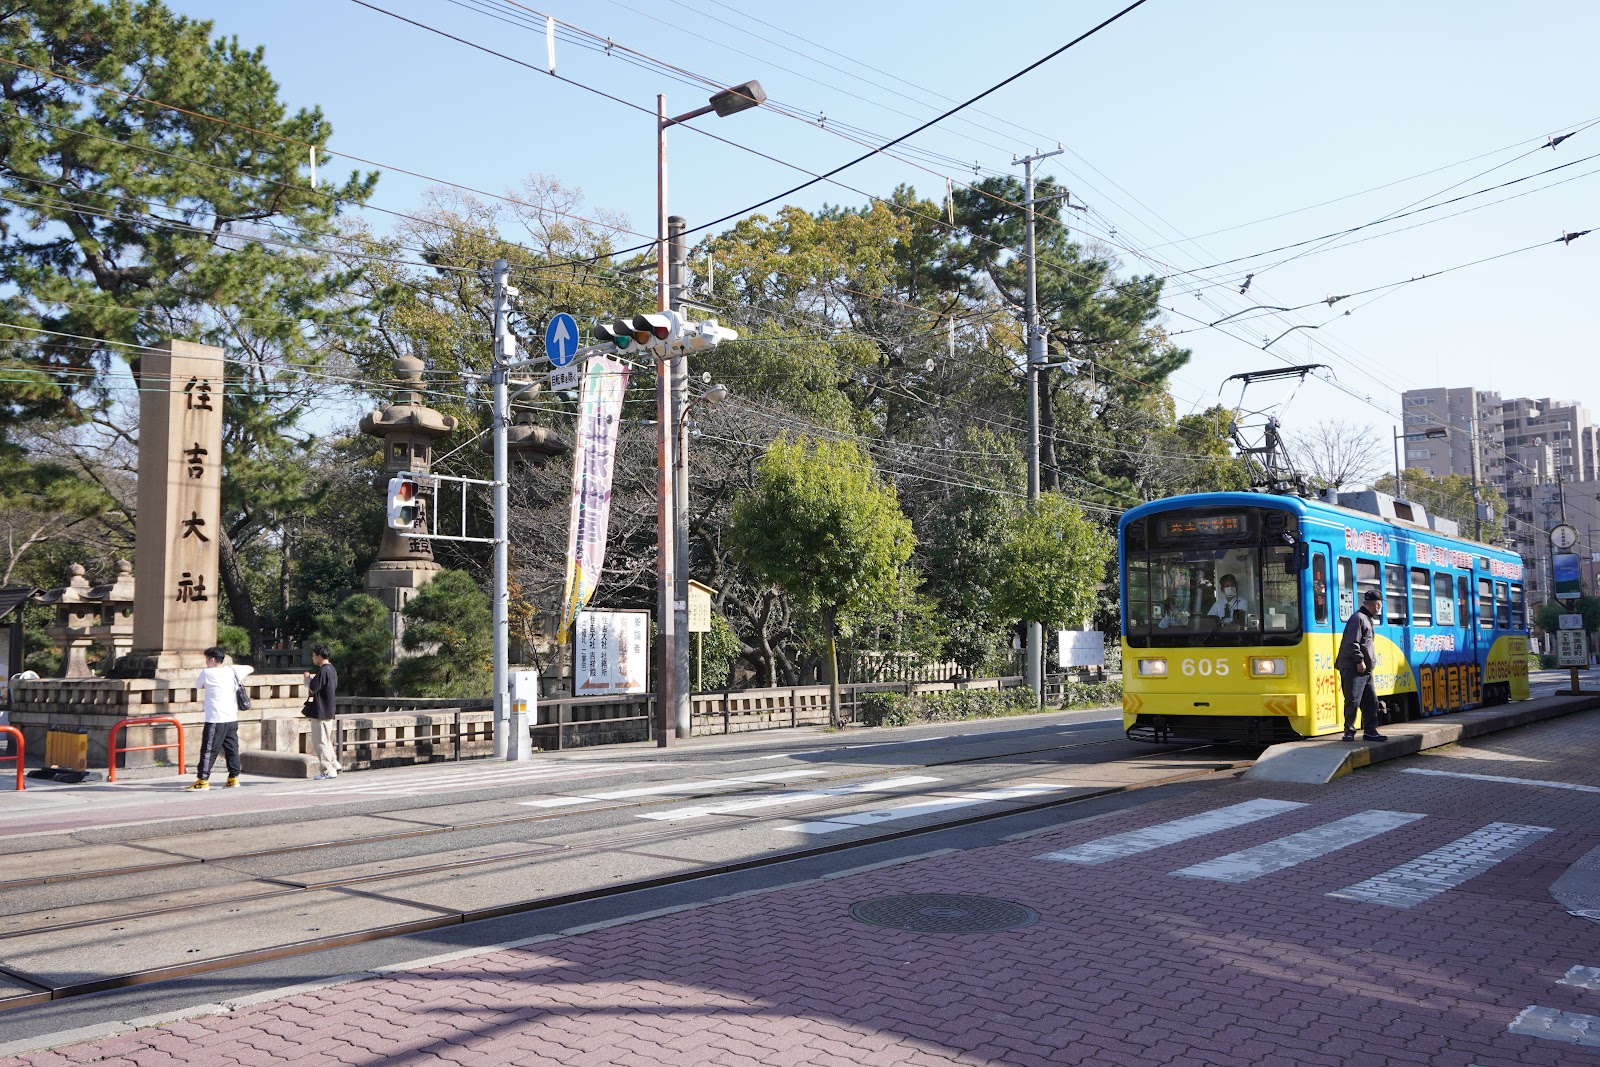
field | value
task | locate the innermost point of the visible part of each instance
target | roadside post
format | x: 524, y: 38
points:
x: 1572, y: 645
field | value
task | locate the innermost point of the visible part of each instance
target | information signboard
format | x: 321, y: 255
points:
x: 1082, y: 648
x: 1570, y: 622
x: 1572, y: 648
x: 610, y: 653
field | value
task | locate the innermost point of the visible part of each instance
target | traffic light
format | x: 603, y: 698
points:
x: 403, y: 505
x: 656, y: 331
x: 663, y: 332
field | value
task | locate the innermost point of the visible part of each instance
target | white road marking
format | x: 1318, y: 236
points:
x: 773, y: 800
x: 381, y: 784
x: 693, y: 785
x: 833, y: 824
x: 1582, y: 977
x: 1505, y: 779
x: 1557, y: 1025
x: 852, y: 748
x: 1133, y: 842
x: 1286, y: 852
x: 1425, y: 877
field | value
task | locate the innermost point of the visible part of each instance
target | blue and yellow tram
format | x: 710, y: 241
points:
x: 1233, y: 604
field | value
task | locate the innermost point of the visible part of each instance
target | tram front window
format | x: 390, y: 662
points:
x: 1241, y: 595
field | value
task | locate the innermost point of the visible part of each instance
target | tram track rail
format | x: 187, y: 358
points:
x: 363, y: 885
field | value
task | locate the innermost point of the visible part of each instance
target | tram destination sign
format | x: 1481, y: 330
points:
x: 1177, y: 528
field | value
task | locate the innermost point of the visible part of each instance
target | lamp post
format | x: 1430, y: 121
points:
x: 1432, y: 433
x: 672, y: 593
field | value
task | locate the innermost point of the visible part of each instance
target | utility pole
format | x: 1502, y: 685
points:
x: 1477, y: 472
x: 666, y: 498
x: 511, y: 739
x: 1035, y: 645
x: 677, y: 281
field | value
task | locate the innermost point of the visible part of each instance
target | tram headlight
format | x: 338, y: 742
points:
x: 1152, y: 668
x: 1268, y: 666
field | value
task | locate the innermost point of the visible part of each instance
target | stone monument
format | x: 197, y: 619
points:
x: 175, y: 607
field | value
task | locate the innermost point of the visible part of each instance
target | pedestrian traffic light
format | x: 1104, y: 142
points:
x: 403, y: 506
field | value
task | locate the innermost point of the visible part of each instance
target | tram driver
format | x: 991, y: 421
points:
x: 1230, y: 606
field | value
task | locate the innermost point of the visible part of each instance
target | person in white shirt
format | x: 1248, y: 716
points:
x: 219, y: 684
x: 1229, y: 601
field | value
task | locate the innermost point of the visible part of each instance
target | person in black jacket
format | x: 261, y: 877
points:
x: 323, y: 687
x: 1357, y: 653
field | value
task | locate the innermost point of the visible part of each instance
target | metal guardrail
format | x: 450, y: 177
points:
x: 17, y: 752
x: 111, y: 759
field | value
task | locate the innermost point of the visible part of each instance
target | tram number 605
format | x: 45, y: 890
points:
x: 1206, y: 668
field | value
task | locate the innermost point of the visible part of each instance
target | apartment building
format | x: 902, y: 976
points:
x: 1527, y: 449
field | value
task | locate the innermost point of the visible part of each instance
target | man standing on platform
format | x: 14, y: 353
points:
x: 219, y: 686
x: 323, y: 687
x: 1357, y: 654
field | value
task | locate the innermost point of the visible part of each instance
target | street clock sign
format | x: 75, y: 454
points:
x: 1564, y: 536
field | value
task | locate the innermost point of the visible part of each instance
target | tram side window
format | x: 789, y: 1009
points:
x: 1519, y: 608
x: 1347, y: 588
x: 1502, y: 605
x: 1366, y: 579
x: 1444, y: 602
x: 1485, y: 604
x: 1463, y: 601
x: 1421, y: 598
x: 1319, y: 588
x: 1394, y: 577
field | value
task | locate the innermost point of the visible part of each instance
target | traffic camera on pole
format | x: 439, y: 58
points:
x: 403, y: 505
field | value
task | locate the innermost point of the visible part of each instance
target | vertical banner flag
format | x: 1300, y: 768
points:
x: 594, y: 460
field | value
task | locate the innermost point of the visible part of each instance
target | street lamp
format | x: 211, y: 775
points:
x: 1432, y: 433
x: 672, y: 388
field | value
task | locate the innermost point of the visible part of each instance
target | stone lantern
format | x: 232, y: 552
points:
x: 77, y: 615
x: 408, y: 428
x: 115, y: 630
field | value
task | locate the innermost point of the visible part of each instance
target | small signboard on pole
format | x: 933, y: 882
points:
x: 1569, y: 576
x: 1570, y: 622
x: 1572, y: 649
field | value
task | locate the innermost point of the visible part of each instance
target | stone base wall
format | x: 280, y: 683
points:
x: 97, y: 704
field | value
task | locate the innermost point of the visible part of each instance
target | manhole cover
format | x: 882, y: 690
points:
x: 943, y: 913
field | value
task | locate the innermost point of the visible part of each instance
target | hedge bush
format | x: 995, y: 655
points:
x: 950, y: 705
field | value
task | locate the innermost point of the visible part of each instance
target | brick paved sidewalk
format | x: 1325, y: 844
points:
x: 1128, y: 964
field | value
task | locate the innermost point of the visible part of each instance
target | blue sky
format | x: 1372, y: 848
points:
x: 1185, y: 122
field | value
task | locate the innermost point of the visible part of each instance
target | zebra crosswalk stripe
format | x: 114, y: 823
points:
x: 1133, y: 842
x: 1446, y: 867
x: 1557, y: 1025
x: 1286, y: 852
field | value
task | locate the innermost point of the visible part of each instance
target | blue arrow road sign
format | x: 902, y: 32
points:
x: 561, y: 339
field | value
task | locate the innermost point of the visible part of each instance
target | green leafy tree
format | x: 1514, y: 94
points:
x: 1056, y: 559
x: 360, y: 640
x: 449, y: 637
x: 153, y: 191
x: 822, y: 526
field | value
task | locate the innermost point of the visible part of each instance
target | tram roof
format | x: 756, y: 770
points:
x: 1306, y: 507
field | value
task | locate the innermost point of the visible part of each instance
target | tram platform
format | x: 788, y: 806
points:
x: 1436, y: 908
x: 1324, y: 760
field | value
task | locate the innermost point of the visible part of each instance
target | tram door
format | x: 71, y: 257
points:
x: 1322, y: 619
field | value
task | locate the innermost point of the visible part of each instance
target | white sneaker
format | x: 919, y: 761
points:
x: 324, y: 777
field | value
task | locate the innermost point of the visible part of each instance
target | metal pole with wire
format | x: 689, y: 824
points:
x: 1034, y: 670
